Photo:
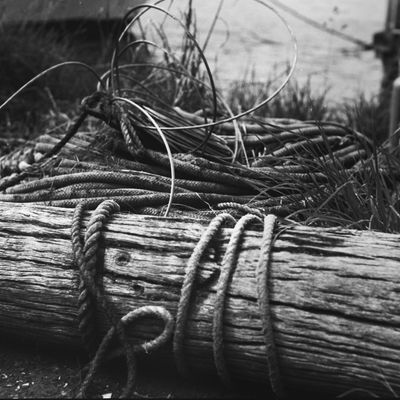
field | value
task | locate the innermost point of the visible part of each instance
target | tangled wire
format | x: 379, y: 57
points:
x: 154, y: 157
x: 290, y: 165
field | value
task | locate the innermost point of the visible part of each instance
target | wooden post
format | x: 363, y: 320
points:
x: 394, y: 114
x: 393, y: 27
x: 387, y: 47
x: 334, y: 294
x: 393, y: 17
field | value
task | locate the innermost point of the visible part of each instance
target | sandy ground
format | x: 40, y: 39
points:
x: 32, y: 370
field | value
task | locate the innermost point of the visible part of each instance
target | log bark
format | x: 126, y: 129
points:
x: 334, y: 294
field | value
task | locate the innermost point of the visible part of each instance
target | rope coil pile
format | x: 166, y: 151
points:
x: 289, y: 165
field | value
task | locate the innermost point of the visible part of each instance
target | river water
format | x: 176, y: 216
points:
x: 250, y: 41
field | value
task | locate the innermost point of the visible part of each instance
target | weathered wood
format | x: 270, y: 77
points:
x: 334, y: 294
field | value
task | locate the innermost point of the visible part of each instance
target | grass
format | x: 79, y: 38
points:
x: 365, y: 198
x: 296, y: 101
x: 299, y: 101
x: 26, y: 51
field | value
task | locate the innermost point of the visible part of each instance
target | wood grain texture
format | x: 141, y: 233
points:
x: 334, y: 294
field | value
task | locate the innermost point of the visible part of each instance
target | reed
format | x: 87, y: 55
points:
x: 297, y: 101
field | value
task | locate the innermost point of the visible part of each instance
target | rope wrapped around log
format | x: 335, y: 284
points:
x: 332, y: 294
x: 86, y: 258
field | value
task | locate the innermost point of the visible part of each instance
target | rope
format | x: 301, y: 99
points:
x: 262, y: 271
x: 90, y: 296
x: 187, y: 288
x: 133, y: 143
x: 228, y: 266
x: 129, y: 180
x: 227, y: 271
x: 15, y: 178
x: 240, y: 207
x: 322, y: 27
x: 85, y: 255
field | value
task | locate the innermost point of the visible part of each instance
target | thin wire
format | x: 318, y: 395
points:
x: 114, y: 56
x: 150, y: 43
x: 46, y: 71
x: 196, y: 44
x: 237, y: 130
x: 321, y: 27
x: 257, y: 106
x: 164, y: 139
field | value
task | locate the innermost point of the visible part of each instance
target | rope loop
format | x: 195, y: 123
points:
x: 263, y: 296
x: 154, y: 311
x: 130, y: 351
x: 227, y: 270
x: 90, y: 296
x: 85, y: 256
x: 187, y: 288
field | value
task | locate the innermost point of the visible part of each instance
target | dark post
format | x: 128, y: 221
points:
x: 393, y: 16
x: 386, y: 44
x: 387, y: 48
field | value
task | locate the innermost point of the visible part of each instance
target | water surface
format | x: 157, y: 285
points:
x: 249, y: 39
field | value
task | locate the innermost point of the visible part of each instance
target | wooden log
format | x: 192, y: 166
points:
x: 334, y: 294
